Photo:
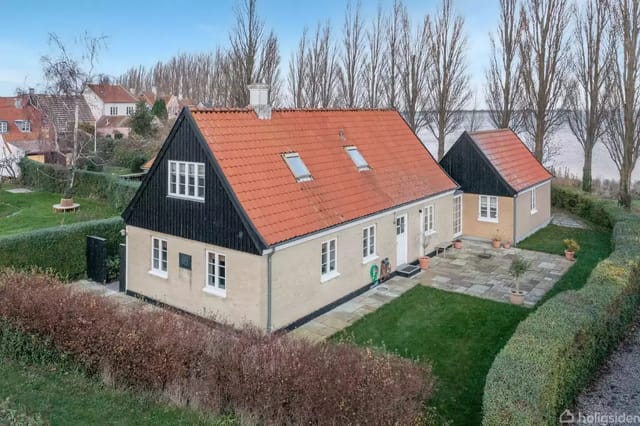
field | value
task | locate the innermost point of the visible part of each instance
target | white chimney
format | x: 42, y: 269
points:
x: 259, y: 100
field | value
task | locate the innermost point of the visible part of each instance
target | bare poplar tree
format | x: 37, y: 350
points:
x: 587, y: 92
x: 503, y: 93
x: 297, y: 72
x: 448, y: 81
x: 544, y: 54
x: 352, y: 56
x: 374, y: 65
x: 393, y: 29
x: 622, y: 137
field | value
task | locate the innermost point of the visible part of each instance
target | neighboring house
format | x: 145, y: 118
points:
x: 10, y: 156
x: 109, y: 100
x: 23, y: 127
x: 507, y: 192
x: 147, y: 166
x: 173, y: 106
x: 267, y: 217
x: 114, y: 126
x: 149, y: 97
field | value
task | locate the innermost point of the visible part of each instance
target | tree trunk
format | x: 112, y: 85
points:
x: 586, y: 169
x: 625, y: 186
x: 441, y: 137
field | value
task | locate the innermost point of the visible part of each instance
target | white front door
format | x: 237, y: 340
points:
x: 401, y: 240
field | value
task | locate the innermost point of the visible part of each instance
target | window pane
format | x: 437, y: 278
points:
x: 297, y: 166
x: 357, y: 158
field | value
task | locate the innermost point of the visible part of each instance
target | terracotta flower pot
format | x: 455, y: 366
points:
x: 457, y: 244
x: 66, y: 202
x: 570, y: 255
x: 496, y: 243
x: 516, y: 297
x: 507, y: 244
x: 424, y: 262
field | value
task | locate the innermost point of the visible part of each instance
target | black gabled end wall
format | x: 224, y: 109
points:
x: 219, y: 220
x: 475, y: 174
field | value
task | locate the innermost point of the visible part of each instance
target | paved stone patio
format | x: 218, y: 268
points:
x: 464, y: 271
x: 562, y: 218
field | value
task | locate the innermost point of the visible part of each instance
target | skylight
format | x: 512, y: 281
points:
x: 297, y: 167
x: 357, y: 158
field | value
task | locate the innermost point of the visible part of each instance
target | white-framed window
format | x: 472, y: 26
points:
x: 186, y: 180
x: 357, y: 158
x: 429, y: 220
x: 130, y: 110
x: 329, y: 260
x: 113, y: 110
x: 488, y: 208
x: 23, y: 125
x: 297, y: 167
x: 369, y: 244
x: 534, y: 201
x: 457, y: 215
x: 216, y: 274
x: 159, y: 264
x: 4, y: 127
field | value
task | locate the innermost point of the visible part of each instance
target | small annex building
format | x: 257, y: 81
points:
x: 267, y: 216
x: 507, y: 191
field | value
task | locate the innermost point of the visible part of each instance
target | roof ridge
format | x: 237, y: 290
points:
x: 250, y: 109
x: 504, y: 129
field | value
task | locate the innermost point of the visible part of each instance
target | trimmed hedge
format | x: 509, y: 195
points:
x: 61, y: 249
x: 45, y: 177
x: 554, y: 353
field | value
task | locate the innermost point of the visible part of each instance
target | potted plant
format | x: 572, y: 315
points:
x: 506, y: 244
x: 496, y: 240
x: 424, y: 259
x: 518, y: 267
x: 457, y: 243
x: 571, y: 249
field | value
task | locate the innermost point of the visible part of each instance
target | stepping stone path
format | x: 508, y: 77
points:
x: 19, y: 190
x: 563, y: 219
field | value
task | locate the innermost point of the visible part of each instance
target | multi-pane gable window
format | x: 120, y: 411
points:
x: 186, y: 179
x: 488, y: 208
x: 457, y: 215
x: 216, y: 273
x: 130, y: 110
x: 3, y: 126
x: 297, y: 166
x: 429, y: 220
x: 357, y: 158
x: 534, y: 201
x: 113, y: 110
x: 159, y: 256
x: 23, y: 125
x: 328, y: 260
x: 369, y: 242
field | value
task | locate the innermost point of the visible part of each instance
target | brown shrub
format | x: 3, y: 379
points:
x: 268, y: 378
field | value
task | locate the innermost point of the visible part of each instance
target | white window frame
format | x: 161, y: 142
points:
x: 369, y: 251
x: 215, y: 287
x: 330, y: 273
x: 457, y: 224
x: 182, y: 173
x: 534, y: 201
x: 302, y: 177
x: 429, y: 220
x: 488, y: 217
x: 112, y: 109
x: 130, y: 110
x: 163, y: 257
x: 351, y: 150
x: 23, y: 125
x: 4, y: 126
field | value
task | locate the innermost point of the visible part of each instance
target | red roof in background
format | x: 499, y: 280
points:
x: 112, y: 93
x: 511, y: 158
x: 10, y: 113
x: 149, y: 163
x: 250, y: 150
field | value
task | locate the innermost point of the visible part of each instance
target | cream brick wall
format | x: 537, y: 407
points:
x: 526, y: 222
x: 472, y: 227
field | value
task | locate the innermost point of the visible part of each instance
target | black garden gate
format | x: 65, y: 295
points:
x: 97, y: 259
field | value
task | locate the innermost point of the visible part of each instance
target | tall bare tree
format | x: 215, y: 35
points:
x: 448, y: 82
x: 352, y: 56
x: 374, y: 64
x: 298, y: 72
x: 544, y: 57
x: 623, y: 119
x: 503, y: 90
x: 392, y: 41
x: 587, y: 94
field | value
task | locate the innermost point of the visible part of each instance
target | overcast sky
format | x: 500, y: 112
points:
x: 143, y: 32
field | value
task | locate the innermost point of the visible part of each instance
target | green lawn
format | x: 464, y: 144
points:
x: 69, y: 398
x: 460, y: 335
x: 26, y: 212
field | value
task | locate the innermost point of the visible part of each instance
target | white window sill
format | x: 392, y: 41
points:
x: 329, y: 276
x: 159, y: 274
x: 487, y: 219
x: 185, y: 197
x: 534, y: 211
x: 215, y: 291
x: 369, y: 259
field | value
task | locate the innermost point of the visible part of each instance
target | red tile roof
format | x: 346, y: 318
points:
x: 250, y: 150
x: 112, y: 93
x: 10, y: 113
x: 511, y: 158
x: 149, y: 163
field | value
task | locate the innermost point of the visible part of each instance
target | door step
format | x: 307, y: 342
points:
x: 408, y: 270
